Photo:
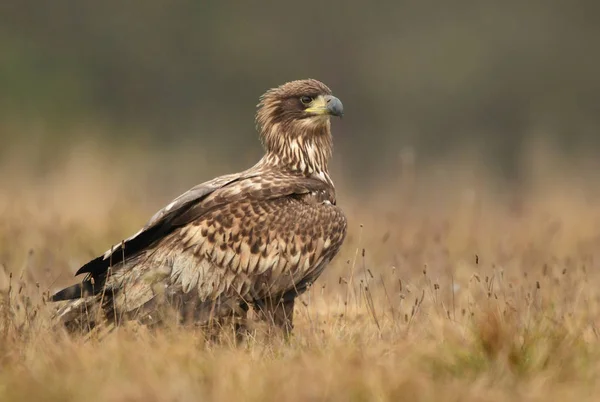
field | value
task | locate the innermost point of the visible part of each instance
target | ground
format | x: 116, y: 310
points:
x: 452, y: 286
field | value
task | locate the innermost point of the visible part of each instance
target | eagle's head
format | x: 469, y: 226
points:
x: 294, y: 124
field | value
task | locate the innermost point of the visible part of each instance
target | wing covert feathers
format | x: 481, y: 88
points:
x: 247, y: 240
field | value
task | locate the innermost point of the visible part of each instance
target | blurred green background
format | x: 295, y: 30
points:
x: 431, y: 76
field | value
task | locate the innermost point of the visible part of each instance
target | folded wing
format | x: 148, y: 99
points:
x: 242, y: 237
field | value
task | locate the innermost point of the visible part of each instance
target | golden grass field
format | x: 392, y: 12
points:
x: 452, y: 286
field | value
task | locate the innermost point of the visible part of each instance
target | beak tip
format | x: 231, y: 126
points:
x: 335, y: 107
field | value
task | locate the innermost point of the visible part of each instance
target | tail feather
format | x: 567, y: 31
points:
x: 77, y: 291
x: 81, y: 314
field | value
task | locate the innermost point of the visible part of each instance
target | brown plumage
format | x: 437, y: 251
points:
x: 256, y: 238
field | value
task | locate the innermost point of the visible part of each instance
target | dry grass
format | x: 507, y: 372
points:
x: 449, y: 287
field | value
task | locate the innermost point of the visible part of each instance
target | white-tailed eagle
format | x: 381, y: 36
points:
x: 252, y: 239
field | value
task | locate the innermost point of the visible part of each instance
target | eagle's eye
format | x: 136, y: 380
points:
x: 306, y: 100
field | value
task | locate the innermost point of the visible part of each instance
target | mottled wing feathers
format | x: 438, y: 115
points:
x: 260, y: 187
x: 255, y: 237
x: 264, y: 244
x: 157, y: 226
x: 195, y: 194
x: 197, y: 201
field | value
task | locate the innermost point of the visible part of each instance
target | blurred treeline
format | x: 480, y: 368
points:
x: 434, y: 76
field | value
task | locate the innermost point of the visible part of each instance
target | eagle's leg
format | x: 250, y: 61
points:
x: 229, y: 315
x: 277, y: 312
x: 241, y: 327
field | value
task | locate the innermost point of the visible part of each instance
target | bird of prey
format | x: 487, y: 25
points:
x: 256, y: 239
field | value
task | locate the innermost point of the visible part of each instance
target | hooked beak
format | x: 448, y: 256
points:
x: 326, y: 105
